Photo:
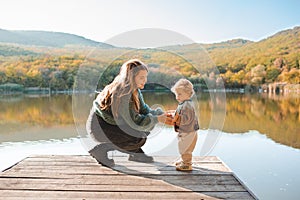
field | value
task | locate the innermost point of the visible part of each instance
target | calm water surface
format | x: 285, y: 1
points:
x: 260, y: 140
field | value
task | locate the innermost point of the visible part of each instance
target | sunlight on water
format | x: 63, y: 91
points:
x: 262, y: 164
x: 161, y: 143
x: 13, y: 152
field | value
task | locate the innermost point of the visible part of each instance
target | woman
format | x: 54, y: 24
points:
x: 120, y: 119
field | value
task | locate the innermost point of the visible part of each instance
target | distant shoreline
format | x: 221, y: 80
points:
x: 47, y: 91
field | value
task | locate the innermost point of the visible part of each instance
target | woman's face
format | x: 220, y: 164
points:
x: 141, y: 79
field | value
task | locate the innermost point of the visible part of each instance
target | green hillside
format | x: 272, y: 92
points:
x: 283, y: 45
x: 239, y: 63
x: 9, y: 50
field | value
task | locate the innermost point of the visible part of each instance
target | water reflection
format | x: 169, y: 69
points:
x: 36, y: 110
x: 275, y: 116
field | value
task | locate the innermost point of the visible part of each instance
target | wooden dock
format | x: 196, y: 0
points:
x: 81, y: 177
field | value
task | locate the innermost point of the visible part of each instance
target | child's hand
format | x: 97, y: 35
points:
x: 169, y: 119
x: 168, y: 114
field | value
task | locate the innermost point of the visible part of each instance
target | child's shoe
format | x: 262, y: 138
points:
x: 184, y: 167
x: 178, y: 162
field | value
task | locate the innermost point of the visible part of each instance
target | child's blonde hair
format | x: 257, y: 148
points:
x: 184, y: 85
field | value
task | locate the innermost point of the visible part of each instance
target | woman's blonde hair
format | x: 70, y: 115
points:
x: 123, y: 85
x: 184, y: 85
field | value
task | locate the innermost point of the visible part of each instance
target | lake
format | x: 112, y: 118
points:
x: 260, y: 139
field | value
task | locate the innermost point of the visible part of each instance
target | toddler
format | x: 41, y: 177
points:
x: 185, y: 123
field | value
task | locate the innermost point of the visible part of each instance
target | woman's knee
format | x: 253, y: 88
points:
x: 94, y: 129
x: 142, y: 142
x: 132, y: 144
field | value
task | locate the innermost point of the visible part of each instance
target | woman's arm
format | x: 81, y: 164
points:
x: 145, y: 109
x: 130, y: 116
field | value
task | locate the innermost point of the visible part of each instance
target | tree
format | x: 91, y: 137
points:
x: 293, y: 76
x: 279, y: 63
x: 238, y: 67
x: 3, y: 77
x: 258, y: 75
x: 239, y: 78
x: 272, y: 74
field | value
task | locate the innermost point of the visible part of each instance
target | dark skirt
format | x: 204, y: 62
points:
x: 125, y: 138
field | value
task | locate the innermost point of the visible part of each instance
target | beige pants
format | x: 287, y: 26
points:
x: 186, y: 146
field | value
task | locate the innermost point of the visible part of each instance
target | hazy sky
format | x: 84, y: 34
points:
x: 202, y: 21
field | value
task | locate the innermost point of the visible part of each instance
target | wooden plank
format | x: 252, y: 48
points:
x: 138, y: 168
x: 121, y: 185
x: 120, y: 166
x: 58, y: 175
x: 102, y: 195
x: 214, y: 169
x: 103, y: 179
x: 230, y: 195
x: 201, y: 163
x: 124, y: 157
x: 62, y: 158
x: 51, y: 173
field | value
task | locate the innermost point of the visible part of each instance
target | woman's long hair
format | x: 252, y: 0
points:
x: 123, y: 85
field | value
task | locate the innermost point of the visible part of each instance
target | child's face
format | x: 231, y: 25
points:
x: 181, y: 95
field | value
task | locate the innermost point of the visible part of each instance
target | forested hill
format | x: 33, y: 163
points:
x: 46, y: 38
x: 238, y: 52
x: 40, y: 59
x: 240, y: 62
x: 284, y: 45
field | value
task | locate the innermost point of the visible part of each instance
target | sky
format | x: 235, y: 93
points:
x: 203, y: 21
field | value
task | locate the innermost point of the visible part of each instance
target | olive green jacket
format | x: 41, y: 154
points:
x: 144, y: 120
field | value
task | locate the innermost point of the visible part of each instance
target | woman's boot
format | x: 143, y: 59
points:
x: 99, y: 152
x: 140, y: 156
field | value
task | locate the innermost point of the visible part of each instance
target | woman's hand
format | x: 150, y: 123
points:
x: 162, y: 118
x: 166, y: 119
x: 158, y: 111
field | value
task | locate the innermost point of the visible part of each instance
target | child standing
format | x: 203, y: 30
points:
x: 185, y: 123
